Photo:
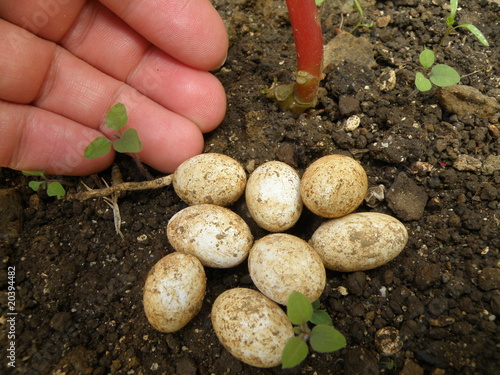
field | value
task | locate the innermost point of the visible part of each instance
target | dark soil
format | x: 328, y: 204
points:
x: 79, y: 286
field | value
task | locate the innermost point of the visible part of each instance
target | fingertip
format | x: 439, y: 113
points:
x: 37, y: 140
x: 219, y: 51
x: 192, y: 93
x: 167, y: 138
x: 215, y: 107
x: 165, y: 155
x: 64, y: 153
x: 80, y: 166
x: 190, y: 31
x: 203, y: 101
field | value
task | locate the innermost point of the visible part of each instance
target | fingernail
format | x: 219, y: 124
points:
x: 221, y: 65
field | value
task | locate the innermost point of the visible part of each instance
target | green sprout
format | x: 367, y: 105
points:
x: 443, y: 75
x: 346, y: 8
x: 450, y: 20
x: 54, y: 188
x: 390, y: 365
x: 322, y: 337
x: 126, y: 141
x: 361, y: 17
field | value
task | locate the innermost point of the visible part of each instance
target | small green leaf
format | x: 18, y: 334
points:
x: 298, y: 308
x: 294, y: 352
x: 360, y: 9
x: 316, y: 304
x: 422, y: 83
x: 326, y: 339
x: 444, y: 75
x: 321, y: 317
x: 426, y: 58
x: 128, y: 142
x: 55, y: 189
x: 476, y: 32
x: 319, y: 2
x: 97, y: 148
x: 117, y: 117
x: 33, y: 173
x: 35, y: 185
x: 450, y: 20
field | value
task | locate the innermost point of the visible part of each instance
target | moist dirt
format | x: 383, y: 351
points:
x: 436, y: 165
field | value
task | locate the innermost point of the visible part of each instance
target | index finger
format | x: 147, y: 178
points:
x: 188, y: 30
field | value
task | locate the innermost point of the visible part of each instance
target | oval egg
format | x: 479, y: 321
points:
x: 280, y: 263
x: 334, y: 186
x: 359, y: 241
x: 217, y: 236
x: 273, y: 196
x: 251, y: 327
x: 174, y: 291
x: 210, y: 178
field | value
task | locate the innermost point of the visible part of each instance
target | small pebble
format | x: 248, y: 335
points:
x: 356, y: 283
x: 348, y: 106
x: 427, y: 276
x: 388, y: 341
x: 489, y: 279
x: 406, y: 199
x: 437, y: 306
x: 467, y: 163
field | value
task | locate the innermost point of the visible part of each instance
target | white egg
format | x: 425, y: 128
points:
x: 280, y: 263
x: 273, y: 196
x: 334, y: 186
x: 174, y: 291
x: 217, y: 236
x: 210, y: 178
x: 359, y: 241
x: 251, y: 327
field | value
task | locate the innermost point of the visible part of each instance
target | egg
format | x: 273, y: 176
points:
x: 251, y: 327
x: 210, y: 178
x: 359, y: 241
x: 273, y: 196
x: 174, y: 291
x: 334, y: 186
x: 281, y: 263
x: 217, y: 236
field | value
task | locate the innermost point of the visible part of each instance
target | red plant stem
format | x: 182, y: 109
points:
x: 309, y: 46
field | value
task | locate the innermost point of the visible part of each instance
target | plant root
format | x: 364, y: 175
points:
x: 123, y: 187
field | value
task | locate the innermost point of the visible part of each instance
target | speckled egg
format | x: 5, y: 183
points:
x: 334, y: 186
x: 273, y: 196
x: 280, y: 263
x: 217, y: 236
x: 359, y: 241
x: 210, y: 178
x: 174, y: 291
x: 251, y: 327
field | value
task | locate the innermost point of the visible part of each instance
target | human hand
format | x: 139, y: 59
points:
x: 65, y: 63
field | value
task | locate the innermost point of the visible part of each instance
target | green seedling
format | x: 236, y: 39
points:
x: 54, y: 188
x: 443, y: 75
x: 390, y: 365
x: 126, y: 140
x: 323, y: 338
x: 347, y: 7
x: 440, y: 75
x: 361, y: 17
x: 450, y: 21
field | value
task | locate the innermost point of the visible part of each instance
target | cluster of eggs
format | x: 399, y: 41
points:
x: 250, y: 324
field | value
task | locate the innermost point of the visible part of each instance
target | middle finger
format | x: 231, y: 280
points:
x: 103, y: 40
